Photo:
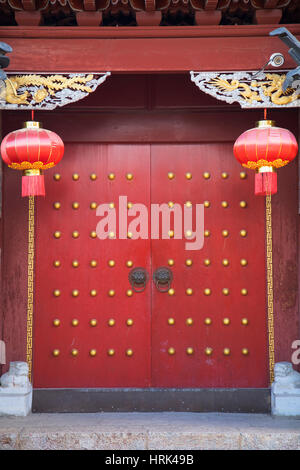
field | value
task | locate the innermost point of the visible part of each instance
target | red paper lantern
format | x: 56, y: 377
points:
x: 264, y: 149
x: 32, y: 150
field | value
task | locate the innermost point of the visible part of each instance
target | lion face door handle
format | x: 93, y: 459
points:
x: 162, y: 278
x: 138, y: 278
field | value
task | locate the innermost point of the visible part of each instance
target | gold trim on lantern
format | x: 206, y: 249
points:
x: 31, y: 166
x: 266, y: 169
x: 265, y: 123
x: 278, y: 163
x: 31, y: 172
x: 32, y: 125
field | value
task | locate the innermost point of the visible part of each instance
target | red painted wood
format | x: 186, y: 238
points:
x: 13, y: 315
x: 272, y: 16
x: 83, y: 370
x: 160, y: 126
x: 208, y: 17
x: 193, y: 126
x: 148, y: 18
x: 179, y: 370
x: 198, y: 369
x: 61, y: 32
x: 89, y: 18
x: 28, y: 18
x: 146, y: 49
x: 285, y: 263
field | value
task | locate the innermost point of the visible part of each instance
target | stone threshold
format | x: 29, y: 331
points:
x: 149, y: 431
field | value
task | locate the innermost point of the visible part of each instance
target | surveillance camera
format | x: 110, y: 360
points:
x: 276, y: 59
x: 4, y: 60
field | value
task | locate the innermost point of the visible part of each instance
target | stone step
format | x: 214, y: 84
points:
x: 149, y: 431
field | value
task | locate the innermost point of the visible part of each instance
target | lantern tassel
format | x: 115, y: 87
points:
x: 33, y: 183
x: 265, y: 183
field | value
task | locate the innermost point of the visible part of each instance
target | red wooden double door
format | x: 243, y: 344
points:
x: 91, y: 328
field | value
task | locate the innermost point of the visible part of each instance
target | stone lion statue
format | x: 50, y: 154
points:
x: 16, y: 379
x: 286, y: 378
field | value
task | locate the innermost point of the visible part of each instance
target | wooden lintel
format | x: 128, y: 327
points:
x: 143, y: 49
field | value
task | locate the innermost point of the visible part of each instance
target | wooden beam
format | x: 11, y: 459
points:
x: 143, y: 49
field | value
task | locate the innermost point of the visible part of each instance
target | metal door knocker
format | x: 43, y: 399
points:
x: 162, y: 278
x: 138, y: 278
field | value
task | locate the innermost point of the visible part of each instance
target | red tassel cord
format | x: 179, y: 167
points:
x: 265, y: 183
x: 33, y: 185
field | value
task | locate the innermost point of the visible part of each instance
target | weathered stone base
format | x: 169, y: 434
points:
x: 285, y: 390
x: 15, y: 404
x: 149, y: 431
x: 286, y: 404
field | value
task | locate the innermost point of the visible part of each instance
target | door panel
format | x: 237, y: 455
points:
x: 113, y: 335
x: 189, y: 324
x: 168, y: 338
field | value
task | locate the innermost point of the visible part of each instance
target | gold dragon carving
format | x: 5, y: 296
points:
x: 48, y: 85
x: 271, y: 87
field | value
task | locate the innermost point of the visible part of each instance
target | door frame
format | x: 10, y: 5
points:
x: 15, y: 251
